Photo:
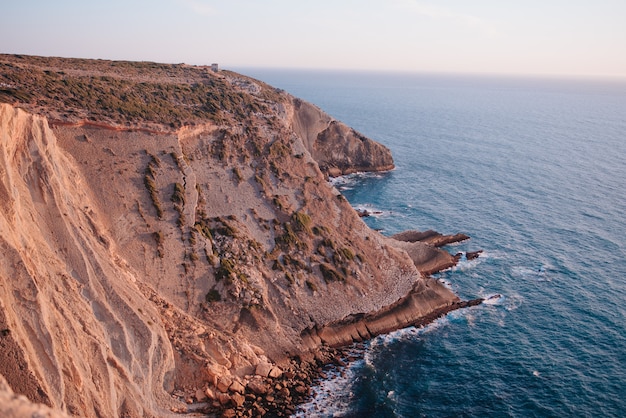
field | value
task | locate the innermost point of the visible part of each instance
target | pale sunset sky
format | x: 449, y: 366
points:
x: 538, y: 37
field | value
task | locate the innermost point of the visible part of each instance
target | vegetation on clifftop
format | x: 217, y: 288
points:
x: 123, y: 92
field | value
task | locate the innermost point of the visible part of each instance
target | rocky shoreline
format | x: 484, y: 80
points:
x: 281, y: 395
x: 284, y: 389
x: 278, y: 391
x: 276, y: 395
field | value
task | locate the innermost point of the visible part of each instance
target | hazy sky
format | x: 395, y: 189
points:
x: 577, y: 37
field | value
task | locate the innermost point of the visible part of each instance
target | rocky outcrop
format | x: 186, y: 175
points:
x: 337, y: 148
x: 427, y: 259
x: 430, y: 237
x: 426, y: 302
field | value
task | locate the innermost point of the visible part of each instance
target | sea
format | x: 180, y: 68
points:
x: 534, y: 170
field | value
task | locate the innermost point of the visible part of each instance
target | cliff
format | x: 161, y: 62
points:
x: 337, y: 148
x: 168, y: 237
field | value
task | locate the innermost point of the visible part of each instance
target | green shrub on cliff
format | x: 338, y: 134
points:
x: 301, y: 222
x: 289, y: 239
x: 149, y: 180
x: 225, y: 270
x: 173, y: 94
x: 237, y: 175
x: 213, y: 296
x: 160, y: 240
x: 330, y: 274
x: 154, y: 195
x: 224, y: 228
x: 311, y: 286
x: 203, y: 228
x: 179, y: 194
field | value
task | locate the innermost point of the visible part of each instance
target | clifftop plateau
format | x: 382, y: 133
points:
x: 170, y: 243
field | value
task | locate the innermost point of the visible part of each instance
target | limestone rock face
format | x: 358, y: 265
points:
x: 429, y: 237
x: 337, y: 148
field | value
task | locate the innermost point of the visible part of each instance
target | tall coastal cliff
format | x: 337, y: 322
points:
x: 170, y: 242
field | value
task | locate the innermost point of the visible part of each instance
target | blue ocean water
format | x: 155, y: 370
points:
x: 534, y: 171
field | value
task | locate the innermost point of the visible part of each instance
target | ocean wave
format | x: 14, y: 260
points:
x: 370, y: 210
x: 539, y: 274
x: 336, y: 395
x: 412, y: 332
x: 513, y: 190
x: 494, y: 255
x: 332, y: 395
x: 464, y: 264
x: 349, y: 181
x: 509, y: 303
x: 494, y: 299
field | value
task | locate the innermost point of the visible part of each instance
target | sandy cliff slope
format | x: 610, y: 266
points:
x: 70, y: 304
x: 144, y: 266
x: 18, y: 406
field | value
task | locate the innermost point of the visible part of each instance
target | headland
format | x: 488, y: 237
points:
x: 171, y: 244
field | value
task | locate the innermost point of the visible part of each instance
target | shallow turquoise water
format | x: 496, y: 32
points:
x: 533, y: 170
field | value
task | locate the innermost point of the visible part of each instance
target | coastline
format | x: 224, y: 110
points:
x: 282, y: 395
x: 523, y: 256
x: 221, y: 242
x: 333, y: 345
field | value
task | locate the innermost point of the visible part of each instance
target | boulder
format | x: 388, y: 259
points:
x: 215, y: 371
x: 229, y: 413
x: 201, y: 395
x: 238, y: 399
x: 275, y: 372
x: 210, y: 394
x: 263, y: 369
x: 237, y: 387
x: 223, y: 398
x: 471, y: 255
x: 223, y: 383
x: 257, y: 386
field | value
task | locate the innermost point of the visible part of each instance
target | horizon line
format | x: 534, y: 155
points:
x: 543, y: 75
x: 237, y: 67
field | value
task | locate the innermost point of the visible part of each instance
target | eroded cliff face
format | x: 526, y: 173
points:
x: 141, y: 267
x: 70, y: 305
x: 337, y: 148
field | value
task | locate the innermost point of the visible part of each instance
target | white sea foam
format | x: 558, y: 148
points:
x: 494, y: 255
x: 513, y: 302
x: 493, y: 299
x: 526, y: 207
x: 446, y: 283
x: 464, y: 264
x: 333, y: 394
x: 349, y: 181
x: 371, y: 210
x: 508, y: 302
x: 539, y: 274
x: 413, y: 332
